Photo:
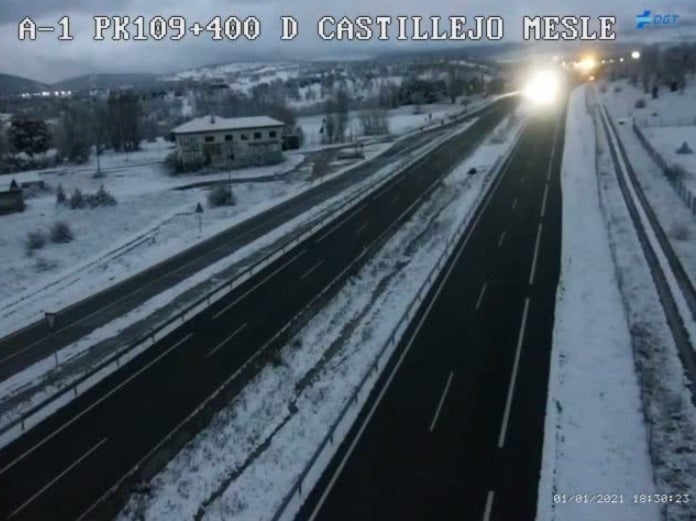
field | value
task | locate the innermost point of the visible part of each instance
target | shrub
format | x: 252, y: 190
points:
x: 61, y: 233
x: 42, y: 264
x: 101, y: 198
x: 679, y: 231
x: 77, y: 200
x: 60, y: 195
x: 675, y: 172
x: 171, y: 163
x: 617, y: 88
x: 221, y: 195
x: 684, y: 149
x: 640, y: 104
x: 35, y: 241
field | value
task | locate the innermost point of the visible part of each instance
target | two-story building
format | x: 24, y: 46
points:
x: 229, y: 142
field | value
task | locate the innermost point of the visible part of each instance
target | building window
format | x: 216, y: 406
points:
x: 257, y: 135
x: 209, y: 139
x: 229, y: 137
x: 272, y: 133
x: 245, y: 137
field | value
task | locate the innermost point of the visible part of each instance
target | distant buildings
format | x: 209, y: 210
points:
x: 229, y: 142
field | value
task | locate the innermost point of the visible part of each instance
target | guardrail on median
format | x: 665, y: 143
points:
x: 686, y: 195
x: 340, y: 427
x: 50, y: 405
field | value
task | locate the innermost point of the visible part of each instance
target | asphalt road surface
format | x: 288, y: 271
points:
x: 36, y: 342
x: 453, y: 429
x: 61, y: 468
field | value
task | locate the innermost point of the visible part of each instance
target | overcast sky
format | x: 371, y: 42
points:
x: 48, y: 60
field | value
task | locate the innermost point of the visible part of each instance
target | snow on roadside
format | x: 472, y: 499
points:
x: 667, y: 402
x: 246, y: 460
x: 595, y: 438
x: 678, y: 222
x: 43, y: 379
x: 667, y: 121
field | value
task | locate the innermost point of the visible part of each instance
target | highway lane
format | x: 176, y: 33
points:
x: 60, y: 469
x: 35, y: 342
x: 454, y: 427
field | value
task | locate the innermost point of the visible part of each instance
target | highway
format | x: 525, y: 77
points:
x: 453, y: 429
x: 36, y: 342
x: 64, y: 467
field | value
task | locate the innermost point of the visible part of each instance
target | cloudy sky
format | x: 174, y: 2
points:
x: 47, y: 59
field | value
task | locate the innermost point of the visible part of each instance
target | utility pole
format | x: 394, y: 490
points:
x: 96, y: 136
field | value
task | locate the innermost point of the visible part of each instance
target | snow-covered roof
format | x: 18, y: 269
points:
x: 215, y: 124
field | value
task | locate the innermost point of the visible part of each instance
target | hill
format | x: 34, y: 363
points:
x: 106, y: 81
x: 12, y: 85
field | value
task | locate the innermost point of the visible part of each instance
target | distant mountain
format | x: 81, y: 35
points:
x: 11, y: 85
x: 106, y: 81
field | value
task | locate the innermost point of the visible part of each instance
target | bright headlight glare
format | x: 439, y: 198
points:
x: 543, y: 87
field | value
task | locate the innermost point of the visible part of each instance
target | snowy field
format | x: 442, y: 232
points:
x: 228, y: 472
x: 401, y: 120
x: 598, y: 440
x: 667, y: 121
x: 150, y: 222
x: 595, y: 438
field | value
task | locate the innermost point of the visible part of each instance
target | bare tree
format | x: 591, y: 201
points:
x: 454, y: 83
x: 374, y: 120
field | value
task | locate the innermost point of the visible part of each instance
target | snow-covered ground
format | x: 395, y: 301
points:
x: 150, y: 222
x: 595, y: 438
x: 228, y: 472
x: 666, y: 122
x: 44, y: 379
x: 676, y: 219
x: 401, y: 120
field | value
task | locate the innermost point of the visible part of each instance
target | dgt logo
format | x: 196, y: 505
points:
x: 658, y: 19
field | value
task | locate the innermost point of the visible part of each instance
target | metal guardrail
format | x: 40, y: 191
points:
x: 686, y: 195
x: 296, y: 492
x: 50, y: 405
x: 657, y: 121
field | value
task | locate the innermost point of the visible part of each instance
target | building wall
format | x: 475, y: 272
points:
x: 231, y: 147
